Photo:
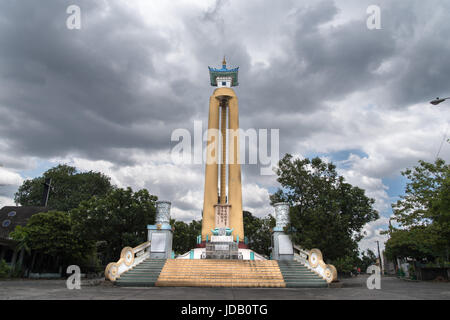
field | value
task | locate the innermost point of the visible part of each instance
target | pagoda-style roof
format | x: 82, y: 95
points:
x: 224, y: 72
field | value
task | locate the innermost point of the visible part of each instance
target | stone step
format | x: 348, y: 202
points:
x: 134, y: 276
x: 135, y: 284
x: 296, y: 270
x: 174, y: 278
x: 146, y: 269
x: 133, y: 280
x: 221, y: 273
x: 294, y: 276
x: 144, y: 274
x: 297, y: 275
x: 303, y: 280
x: 288, y: 274
x: 237, y: 284
x: 293, y: 266
x: 304, y: 284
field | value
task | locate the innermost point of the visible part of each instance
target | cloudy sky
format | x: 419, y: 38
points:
x: 108, y: 96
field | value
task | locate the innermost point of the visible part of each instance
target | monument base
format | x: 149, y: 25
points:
x: 241, y: 245
x: 222, y: 250
x: 160, y: 236
x: 283, y: 248
x: 200, y: 253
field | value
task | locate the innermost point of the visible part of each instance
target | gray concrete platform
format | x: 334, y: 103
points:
x: 353, y: 289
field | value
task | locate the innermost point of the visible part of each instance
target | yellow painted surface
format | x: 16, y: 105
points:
x: 234, y: 168
x: 211, y: 172
x: 223, y: 165
x: 220, y: 273
x: 234, y: 175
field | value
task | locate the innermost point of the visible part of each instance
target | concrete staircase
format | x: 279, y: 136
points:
x: 144, y: 274
x: 296, y: 275
x: 220, y: 273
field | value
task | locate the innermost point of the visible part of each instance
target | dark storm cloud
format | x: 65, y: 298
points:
x: 108, y: 86
x: 330, y: 64
x: 323, y: 65
x: 82, y: 91
x: 423, y: 69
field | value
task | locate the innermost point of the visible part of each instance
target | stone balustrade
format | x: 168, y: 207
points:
x: 313, y: 260
x: 129, y: 258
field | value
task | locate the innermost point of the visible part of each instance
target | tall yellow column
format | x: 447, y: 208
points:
x: 234, y: 168
x: 223, y: 165
x: 211, y: 169
x: 234, y: 171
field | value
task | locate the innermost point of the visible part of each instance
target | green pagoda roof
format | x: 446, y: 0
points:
x: 224, y: 72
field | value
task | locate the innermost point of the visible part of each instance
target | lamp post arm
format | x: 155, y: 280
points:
x: 438, y: 100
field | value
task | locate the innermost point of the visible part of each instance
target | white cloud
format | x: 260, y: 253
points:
x: 373, y: 230
x: 256, y: 200
x: 292, y: 78
x: 180, y: 184
x: 9, y: 182
x: 8, y: 177
x: 6, y: 201
x: 374, y: 187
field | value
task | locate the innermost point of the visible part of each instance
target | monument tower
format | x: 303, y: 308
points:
x: 222, y: 203
x: 221, y: 257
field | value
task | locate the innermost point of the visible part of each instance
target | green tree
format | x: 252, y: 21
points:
x: 426, y: 196
x: 346, y: 264
x: 325, y: 211
x: 116, y: 220
x: 4, y: 269
x: 423, y: 213
x: 368, y: 258
x: 258, y: 232
x: 20, y: 235
x: 69, y: 188
x: 185, y: 235
x: 50, y: 233
x: 417, y: 242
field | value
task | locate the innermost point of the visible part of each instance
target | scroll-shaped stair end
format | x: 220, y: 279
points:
x: 129, y: 258
x: 313, y: 260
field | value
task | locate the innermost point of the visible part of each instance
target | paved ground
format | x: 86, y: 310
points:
x: 355, y: 289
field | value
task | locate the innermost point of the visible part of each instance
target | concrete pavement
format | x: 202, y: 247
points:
x: 353, y: 289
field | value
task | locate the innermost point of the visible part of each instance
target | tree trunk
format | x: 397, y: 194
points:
x: 3, y: 252
x: 33, y: 260
x: 13, y: 262
x: 22, y: 252
x: 57, y: 263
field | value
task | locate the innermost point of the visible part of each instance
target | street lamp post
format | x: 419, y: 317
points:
x: 379, y: 257
x: 438, y: 100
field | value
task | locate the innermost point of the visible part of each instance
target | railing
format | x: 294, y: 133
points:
x: 313, y: 260
x: 129, y: 258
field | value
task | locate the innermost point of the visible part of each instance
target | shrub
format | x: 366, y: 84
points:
x: 4, y: 269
